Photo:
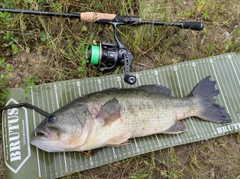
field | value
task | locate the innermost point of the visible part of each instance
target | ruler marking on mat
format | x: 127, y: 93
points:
x: 34, y: 124
x: 56, y: 94
x: 214, y: 71
x: 53, y: 107
x: 234, y: 69
x: 227, y: 86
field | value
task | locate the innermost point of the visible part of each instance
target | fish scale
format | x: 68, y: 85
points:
x: 155, y: 119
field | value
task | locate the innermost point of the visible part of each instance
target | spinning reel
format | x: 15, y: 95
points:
x: 112, y: 55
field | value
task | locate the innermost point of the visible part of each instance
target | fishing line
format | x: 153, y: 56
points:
x: 44, y: 113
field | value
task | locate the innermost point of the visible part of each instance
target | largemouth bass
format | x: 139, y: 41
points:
x: 111, y: 117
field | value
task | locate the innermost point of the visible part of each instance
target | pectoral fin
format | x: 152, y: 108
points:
x: 177, y: 128
x: 110, y: 112
x: 119, y: 140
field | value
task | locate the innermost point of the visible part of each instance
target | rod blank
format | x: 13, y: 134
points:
x: 45, y: 13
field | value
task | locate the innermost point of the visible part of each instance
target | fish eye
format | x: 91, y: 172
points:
x: 52, y: 119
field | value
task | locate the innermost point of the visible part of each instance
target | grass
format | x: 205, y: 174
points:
x: 37, y: 49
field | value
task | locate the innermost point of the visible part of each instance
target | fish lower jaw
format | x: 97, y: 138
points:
x: 42, y: 133
x: 47, y: 144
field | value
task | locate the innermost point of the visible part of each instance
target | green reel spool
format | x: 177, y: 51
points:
x: 95, y: 53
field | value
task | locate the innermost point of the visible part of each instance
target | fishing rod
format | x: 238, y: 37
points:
x: 106, y: 54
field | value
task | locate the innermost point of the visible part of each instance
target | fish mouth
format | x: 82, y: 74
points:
x: 40, y: 137
x: 44, y: 141
x: 42, y: 133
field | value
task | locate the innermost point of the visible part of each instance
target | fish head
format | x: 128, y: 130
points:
x: 64, y: 130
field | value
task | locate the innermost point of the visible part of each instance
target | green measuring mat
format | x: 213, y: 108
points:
x: 26, y: 161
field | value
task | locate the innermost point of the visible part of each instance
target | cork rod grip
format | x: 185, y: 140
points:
x: 94, y: 16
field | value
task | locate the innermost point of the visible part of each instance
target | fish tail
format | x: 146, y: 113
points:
x: 211, y: 111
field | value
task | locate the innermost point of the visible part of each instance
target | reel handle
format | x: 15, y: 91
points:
x: 128, y: 58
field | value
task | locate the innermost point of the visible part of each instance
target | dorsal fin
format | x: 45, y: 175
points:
x: 156, y: 89
x: 110, y: 111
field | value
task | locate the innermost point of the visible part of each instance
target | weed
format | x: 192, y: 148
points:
x: 187, y: 14
x: 11, y: 40
x: 3, y: 80
x: 44, y: 36
x: 140, y: 176
x: 2, y: 60
x: 195, y: 163
x: 8, y: 39
x: 30, y: 83
x: 206, y: 15
x: 5, y: 18
x: 57, y: 7
x: 238, y: 139
x: 175, y: 159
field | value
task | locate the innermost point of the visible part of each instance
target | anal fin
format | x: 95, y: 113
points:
x: 177, y: 128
